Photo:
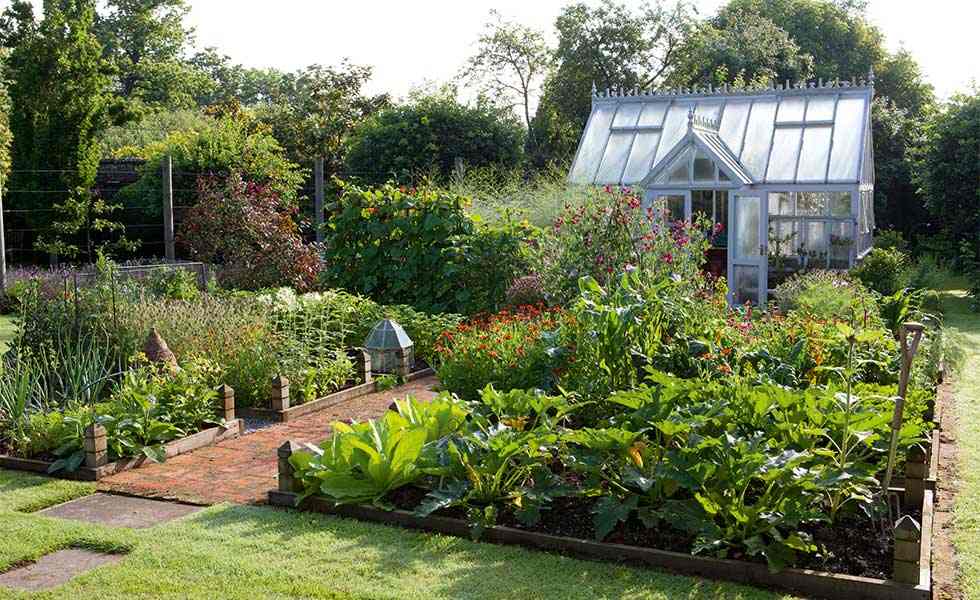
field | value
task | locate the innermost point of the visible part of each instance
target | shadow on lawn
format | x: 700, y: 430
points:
x: 453, y: 567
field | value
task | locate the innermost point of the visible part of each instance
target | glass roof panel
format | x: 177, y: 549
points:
x: 710, y: 109
x: 614, y: 159
x: 732, y: 128
x: 758, y: 135
x: 848, y: 130
x: 820, y: 108
x: 653, y: 114
x: 814, y: 155
x: 627, y: 114
x: 785, y: 149
x: 791, y: 109
x: 675, y: 126
x: 641, y: 156
x: 593, y: 144
x: 678, y: 171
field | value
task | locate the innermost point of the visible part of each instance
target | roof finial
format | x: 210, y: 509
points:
x: 690, y: 118
x: 871, y: 76
x: 595, y: 92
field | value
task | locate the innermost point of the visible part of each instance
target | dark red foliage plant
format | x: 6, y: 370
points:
x: 251, y: 232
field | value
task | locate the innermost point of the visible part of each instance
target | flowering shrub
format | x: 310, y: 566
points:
x: 825, y: 295
x: 508, y: 350
x: 609, y: 231
x: 250, y: 230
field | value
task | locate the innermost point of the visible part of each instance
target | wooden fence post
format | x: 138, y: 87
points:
x: 362, y: 362
x: 96, y: 446
x: 915, y: 475
x: 280, y: 393
x: 226, y: 402
x: 908, y: 539
x: 318, y: 196
x: 3, y: 247
x: 168, y: 207
x: 287, y: 482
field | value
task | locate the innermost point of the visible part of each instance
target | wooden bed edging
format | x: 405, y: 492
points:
x: 294, y: 412
x: 177, y: 447
x: 808, y: 582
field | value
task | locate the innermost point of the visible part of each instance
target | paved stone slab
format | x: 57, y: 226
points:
x: 55, y: 569
x: 120, y: 511
x: 243, y: 470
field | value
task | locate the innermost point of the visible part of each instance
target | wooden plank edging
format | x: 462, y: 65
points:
x: 809, y: 582
x: 329, y: 401
x: 195, y: 441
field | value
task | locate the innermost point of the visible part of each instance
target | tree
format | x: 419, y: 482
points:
x: 750, y: 49
x: 509, y: 64
x: 61, y: 102
x: 949, y: 170
x: 432, y: 135
x: 312, y: 112
x: 146, y: 40
x: 16, y: 23
x: 610, y: 46
x: 231, y: 82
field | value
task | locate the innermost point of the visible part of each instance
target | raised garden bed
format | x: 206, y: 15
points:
x: 284, y: 412
x: 207, y: 437
x: 910, y: 555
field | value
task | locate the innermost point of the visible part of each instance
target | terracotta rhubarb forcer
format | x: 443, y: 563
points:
x: 157, y: 351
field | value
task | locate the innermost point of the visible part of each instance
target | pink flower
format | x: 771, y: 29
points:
x: 668, y: 258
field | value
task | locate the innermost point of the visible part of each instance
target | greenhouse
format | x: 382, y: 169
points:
x: 788, y: 171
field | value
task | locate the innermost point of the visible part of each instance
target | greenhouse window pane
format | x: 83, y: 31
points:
x: 653, y: 114
x: 814, y: 154
x: 627, y: 114
x: 840, y: 204
x: 641, y: 156
x: 811, y: 204
x: 679, y: 168
x: 614, y: 159
x: 704, y: 168
x: 781, y: 203
x: 722, y: 176
x: 820, y: 108
x: 816, y: 243
x: 785, y: 149
x: 841, y: 242
x: 791, y: 109
x: 747, y: 226
x: 758, y: 137
x: 709, y: 109
x: 732, y: 128
x: 675, y: 126
x: 784, y: 237
x: 593, y: 144
x: 848, y: 129
x: 670, y: 207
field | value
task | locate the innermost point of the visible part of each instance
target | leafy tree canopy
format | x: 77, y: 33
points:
x: 431, y: 136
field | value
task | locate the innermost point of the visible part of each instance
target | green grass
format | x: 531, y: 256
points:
x: 966, y: 534
x: 6, y: 332
x: 258, y: 552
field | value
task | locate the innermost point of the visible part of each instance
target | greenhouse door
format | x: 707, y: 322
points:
x: 747, y: 250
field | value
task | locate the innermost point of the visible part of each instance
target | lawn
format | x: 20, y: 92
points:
x: 966, y: 325
x: 253, y: 552
x: 6, y: 332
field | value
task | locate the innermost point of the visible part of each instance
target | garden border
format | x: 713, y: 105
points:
x: 195, y: 441
x: 287, y: 413
x: 913, y: 561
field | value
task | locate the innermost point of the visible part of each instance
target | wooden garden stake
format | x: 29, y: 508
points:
x: 908, y: 539
x: 908, y: 353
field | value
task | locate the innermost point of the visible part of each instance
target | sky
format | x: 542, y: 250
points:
x: 419, y: 42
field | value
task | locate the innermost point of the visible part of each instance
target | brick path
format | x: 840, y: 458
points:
x: 243, y: 470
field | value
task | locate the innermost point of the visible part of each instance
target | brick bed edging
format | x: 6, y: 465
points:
x: 195, y: 441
